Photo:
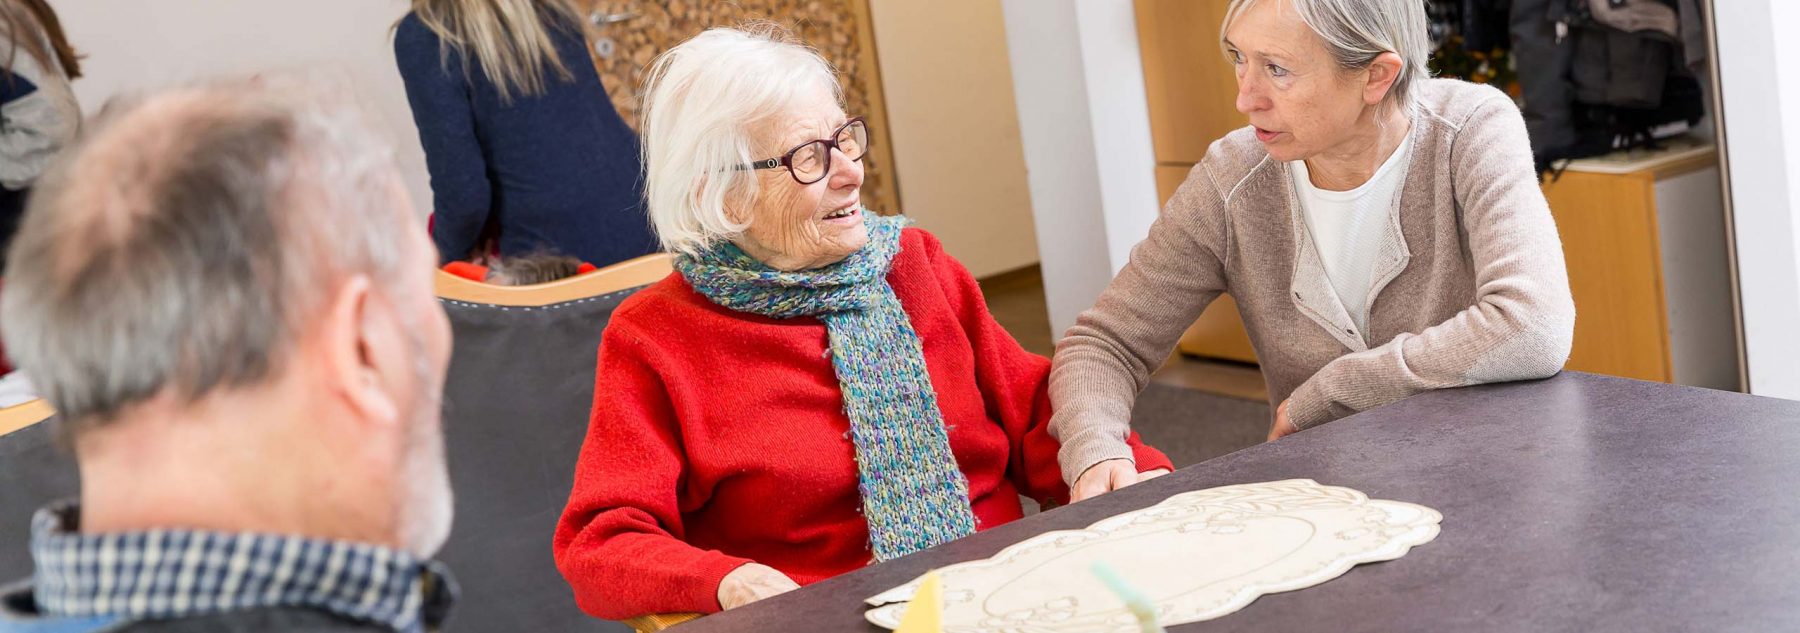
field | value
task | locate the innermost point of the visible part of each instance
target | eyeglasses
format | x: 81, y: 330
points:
x: 810, y: 162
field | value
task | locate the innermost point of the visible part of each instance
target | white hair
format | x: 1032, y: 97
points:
x: 703, y: 100
x: 1355, y: 32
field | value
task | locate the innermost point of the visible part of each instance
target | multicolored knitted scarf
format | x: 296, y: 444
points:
x: 914, y: 495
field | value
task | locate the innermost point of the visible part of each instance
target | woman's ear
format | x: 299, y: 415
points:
x: 740, y: 202
x: 737, y: 214
x: 1383, y: 72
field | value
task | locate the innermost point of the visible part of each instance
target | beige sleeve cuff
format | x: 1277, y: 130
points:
x: 1308, y: 406
x: 1089, y: 446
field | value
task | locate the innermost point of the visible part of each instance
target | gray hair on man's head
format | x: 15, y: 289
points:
x: 1357, y: 31
x: 703, y: 100
x: 186, y: 243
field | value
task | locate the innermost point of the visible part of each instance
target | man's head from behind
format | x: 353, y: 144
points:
x: 223, y: 292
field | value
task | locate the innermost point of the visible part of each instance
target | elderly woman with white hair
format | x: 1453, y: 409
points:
x: 816, y: 387
x: 1382, y: 232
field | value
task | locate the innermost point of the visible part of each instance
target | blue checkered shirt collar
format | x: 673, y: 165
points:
x: 166, y: 574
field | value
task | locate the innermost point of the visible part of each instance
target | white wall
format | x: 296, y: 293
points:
x: 1086, y: 127
x: 132, y: 46
x: 1759, y: 80
x: 1690, y: 225
x: 955, y: 131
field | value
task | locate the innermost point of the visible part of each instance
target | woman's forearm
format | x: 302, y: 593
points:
x: 1107, y: 357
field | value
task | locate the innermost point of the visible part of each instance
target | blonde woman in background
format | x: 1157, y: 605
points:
x: 38, y: 112
x: 520, y: 140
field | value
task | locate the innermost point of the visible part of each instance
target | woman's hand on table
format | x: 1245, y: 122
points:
x: 752, y: 582
x: 1282, y: 426
x: 1108, y: 476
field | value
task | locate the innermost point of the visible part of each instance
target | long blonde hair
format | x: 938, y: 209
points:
x: 22, y: 21
x: 510, y: 39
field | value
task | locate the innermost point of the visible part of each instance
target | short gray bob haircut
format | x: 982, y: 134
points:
x: 1357, y: 31
x: 184, y: 245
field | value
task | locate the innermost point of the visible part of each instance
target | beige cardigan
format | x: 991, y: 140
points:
x: 1470, y: 286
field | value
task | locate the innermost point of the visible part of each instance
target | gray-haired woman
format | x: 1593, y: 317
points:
x: 1382, y: 232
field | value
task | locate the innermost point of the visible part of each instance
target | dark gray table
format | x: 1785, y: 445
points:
x: 1578, y: 503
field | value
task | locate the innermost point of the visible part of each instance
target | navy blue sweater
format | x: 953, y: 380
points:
x: 557, y: 171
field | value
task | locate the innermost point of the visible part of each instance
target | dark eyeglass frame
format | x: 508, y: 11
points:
x: 831, y: 143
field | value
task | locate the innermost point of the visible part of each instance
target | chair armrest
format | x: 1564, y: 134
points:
x: 658, y: 621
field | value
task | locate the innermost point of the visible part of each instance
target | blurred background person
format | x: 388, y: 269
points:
x: 520, y: 139
x: 520, y: 270
x: 38, y: 112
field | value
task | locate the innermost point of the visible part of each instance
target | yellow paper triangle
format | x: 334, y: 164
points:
x: 925, y: 613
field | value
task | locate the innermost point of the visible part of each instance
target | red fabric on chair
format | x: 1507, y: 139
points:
x: 467, y: 270
x: 5, y: 364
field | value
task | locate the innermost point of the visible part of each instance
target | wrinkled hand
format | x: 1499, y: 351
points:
x: 1282, y: 426
x: 1108, y: 476
x: 752, y: 582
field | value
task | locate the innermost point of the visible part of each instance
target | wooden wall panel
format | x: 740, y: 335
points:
x: 1190, y: 86
x: 838, y: 28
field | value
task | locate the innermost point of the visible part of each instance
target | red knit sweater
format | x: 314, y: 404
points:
x: 719, y: 438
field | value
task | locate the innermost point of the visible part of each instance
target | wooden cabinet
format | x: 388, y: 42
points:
x: 1608, y: 227
x: 1644, y: 238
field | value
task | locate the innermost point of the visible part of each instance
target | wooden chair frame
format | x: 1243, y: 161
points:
x: 23, y: 415
x: 626, y: 274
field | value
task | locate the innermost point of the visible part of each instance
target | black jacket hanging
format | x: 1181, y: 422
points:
x: 1600, y: 74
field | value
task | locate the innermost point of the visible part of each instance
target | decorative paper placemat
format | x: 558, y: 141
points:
x: 1198, y: 555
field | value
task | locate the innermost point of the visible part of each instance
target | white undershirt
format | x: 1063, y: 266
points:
x: 1348, y: 227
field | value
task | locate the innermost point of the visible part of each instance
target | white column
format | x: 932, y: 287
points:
x: 1085, y: 127
x: 1760, y: 85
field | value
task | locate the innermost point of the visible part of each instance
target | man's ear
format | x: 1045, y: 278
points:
x: 1383, y: 72
x: 360, y: 350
